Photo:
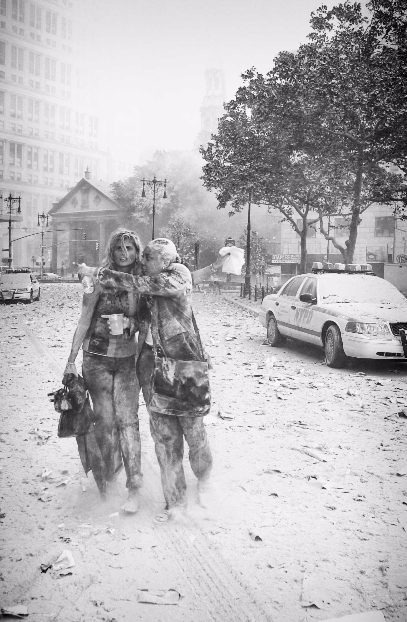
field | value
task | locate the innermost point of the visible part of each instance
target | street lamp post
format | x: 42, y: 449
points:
x: 10, y: 201
x: 42, y: 222
x: 154, y: 183
x: 247, y: 279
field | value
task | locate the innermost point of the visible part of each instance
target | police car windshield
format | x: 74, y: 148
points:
x: 358, y: 288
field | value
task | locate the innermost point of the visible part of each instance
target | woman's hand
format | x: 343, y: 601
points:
x: 69, y: 369
x: 84, y: 270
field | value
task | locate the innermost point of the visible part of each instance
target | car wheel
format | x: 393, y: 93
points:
x: 334, y: 354
x: 274, y: 337
x: 39, y: 294
x: 31, y: 297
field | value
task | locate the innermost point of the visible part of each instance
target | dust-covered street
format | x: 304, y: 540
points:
x: 309, y: 516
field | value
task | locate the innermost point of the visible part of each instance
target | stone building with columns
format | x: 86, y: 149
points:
x: 81, y: 224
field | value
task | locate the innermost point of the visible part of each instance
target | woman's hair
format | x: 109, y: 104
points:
x: 121, y: 236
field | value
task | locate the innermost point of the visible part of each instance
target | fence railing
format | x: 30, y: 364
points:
x: 256, y: 292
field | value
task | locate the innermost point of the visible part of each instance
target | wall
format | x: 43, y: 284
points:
x: 396, y: 273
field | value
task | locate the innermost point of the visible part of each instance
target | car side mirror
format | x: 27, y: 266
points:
x: 308, y: 298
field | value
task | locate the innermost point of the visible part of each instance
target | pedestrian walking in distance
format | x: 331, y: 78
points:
x: 167, y: 328
x: 109, y: 366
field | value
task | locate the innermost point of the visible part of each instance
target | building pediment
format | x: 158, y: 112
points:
x: 87, y: 198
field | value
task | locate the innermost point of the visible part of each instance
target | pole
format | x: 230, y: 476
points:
x: 327, y: 246
x: 10, y: 254
x: 247, y: 276
x: 154, y: 184
x: 42, y: 252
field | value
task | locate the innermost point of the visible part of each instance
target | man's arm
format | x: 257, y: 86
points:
x: 172, y: 282
x: 204, y: 274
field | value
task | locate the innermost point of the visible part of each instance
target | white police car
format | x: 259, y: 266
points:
x: 16, y: 285
x: 346, y: 309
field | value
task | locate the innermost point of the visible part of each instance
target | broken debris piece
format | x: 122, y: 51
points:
x: 368, y: 616
x: 18, y: 611
x: 159, y: 597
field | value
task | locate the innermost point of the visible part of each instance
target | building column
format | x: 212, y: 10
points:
x: 54, y: 253
x: 102, y: 241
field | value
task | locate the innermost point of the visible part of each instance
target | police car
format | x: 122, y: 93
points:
x: 347, y: 310
x: 16, y: 285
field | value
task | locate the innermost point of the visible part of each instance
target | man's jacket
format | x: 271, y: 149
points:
x: 167, y: 296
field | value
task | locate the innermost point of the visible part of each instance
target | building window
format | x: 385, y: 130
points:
x: 384, y: 227
x: 32, y: 158
x: 2, y: 102
x: 79, y: 123
x: 16, y: 153
x: 93, y: 126
x: 2, y: 53
x: 35, y: 16
x: 45, y: 165
x: 34, y: 63
x: 311, y: 231
x: 341, y: 227
x: 33, y: 110
x: 3, y: 7
x: 50, y: 69
x: 1, y: 152
x: 51, y: 22
x: 18, y: 10
x: 16, y: 106
x: 17, y: 58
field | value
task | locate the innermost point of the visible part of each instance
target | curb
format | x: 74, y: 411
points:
x: 253, y: 310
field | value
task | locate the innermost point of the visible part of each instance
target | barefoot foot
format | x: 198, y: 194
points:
x: 132, y: 503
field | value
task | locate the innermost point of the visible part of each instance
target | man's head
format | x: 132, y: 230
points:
x: 158, y: 255
x: 229, y: 241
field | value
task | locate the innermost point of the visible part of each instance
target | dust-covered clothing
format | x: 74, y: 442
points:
x: 98, y: 339
x: 167, y: 296
x: 168, y: 433
x: 109, y: 373
x: 114, y: 389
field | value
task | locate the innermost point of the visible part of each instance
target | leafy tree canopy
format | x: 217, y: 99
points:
x: 318, y: 131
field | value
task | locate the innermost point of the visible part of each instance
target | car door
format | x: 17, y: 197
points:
x: 285, y: 301
x: 302, y: 314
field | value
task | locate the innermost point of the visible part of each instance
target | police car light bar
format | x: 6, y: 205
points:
x: 324, y: 266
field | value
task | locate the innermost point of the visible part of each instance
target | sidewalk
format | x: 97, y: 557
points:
x: 249, y: 305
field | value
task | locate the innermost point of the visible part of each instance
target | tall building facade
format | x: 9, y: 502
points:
x: 212, y: 104
x: 50, y: 132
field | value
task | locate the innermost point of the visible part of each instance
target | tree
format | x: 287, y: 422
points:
x: 258, y: 252
x: 317, y: 133
x: 182, y: 233
x: 186, y: 194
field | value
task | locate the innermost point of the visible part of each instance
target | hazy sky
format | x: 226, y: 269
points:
x: 154, y: 53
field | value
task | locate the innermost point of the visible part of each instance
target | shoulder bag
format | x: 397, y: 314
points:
x: 179, y: 388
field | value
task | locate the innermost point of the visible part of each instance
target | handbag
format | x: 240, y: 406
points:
x: 179, y: 388
x: 73, y: 404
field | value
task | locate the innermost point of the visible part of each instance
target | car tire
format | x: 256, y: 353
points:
x: 39, y: 295
x: 31, y: 297
x: 274, y: 337
x: 334, y: 353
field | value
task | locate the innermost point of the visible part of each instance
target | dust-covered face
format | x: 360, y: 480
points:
x: 154, y: 261
x: 125, y: 254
